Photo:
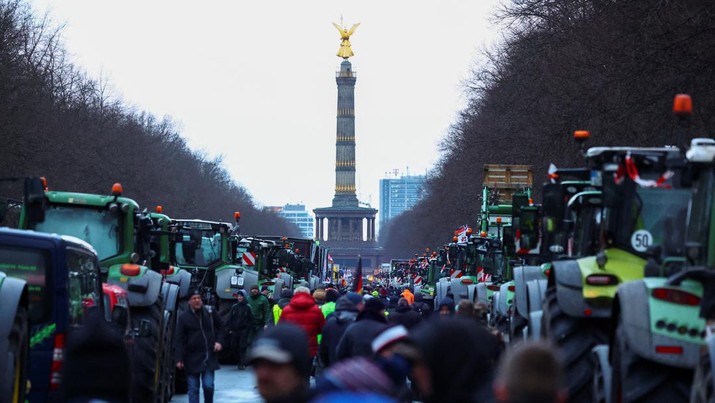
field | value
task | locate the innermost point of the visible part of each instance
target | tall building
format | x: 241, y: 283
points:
x: 346, y: 228
x: 398, y: 195
x: 298, y: 215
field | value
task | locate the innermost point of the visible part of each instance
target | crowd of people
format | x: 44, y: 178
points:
x: 357, y: 348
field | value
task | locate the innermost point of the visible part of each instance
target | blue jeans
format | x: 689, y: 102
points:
x: 207, y: 380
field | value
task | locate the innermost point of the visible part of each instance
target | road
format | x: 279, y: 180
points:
x: 232, y: 385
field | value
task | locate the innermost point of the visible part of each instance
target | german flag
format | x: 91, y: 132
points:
x: 357, y: 282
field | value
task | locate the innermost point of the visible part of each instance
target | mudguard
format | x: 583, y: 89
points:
x: 472, y: 292
x: 482, y: 294
x: 522, y: 275
x: 536, y: 293
x: 181, y: 278
x: 535, y: 324
x: 569, y: 289
x: 710, y: 342
x: 458, y: 289
x: 441, y: 291
x: 11, y: 293
x: 287, y: 280
x: 599, y: 355
x: 636, y: 319
x: 147, y: 286
x: 505, y: 300
x: 171, y: 296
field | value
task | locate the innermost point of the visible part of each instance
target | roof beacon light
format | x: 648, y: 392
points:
x: 117, y: 189
x: 159, y: 209
x: 581, y: 135
x: 682, y: 105
x: 237, y: 215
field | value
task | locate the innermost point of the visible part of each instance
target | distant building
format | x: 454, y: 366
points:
x: 398, y: 195
x: 298, y: 215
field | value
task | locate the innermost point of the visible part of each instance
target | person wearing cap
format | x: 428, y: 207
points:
x: 359, y: 335
x: 303, y: 312
x: 199, y: 336
x: 261, y: 310
x: 281, y: 362
x: 345, y: 313
x: 240, y: 324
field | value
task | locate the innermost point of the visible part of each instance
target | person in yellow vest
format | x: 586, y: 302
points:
x: 286, y: 295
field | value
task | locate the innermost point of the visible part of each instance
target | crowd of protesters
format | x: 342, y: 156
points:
x: 357, y: 348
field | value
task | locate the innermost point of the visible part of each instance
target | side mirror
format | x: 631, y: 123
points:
x: 35, y: 200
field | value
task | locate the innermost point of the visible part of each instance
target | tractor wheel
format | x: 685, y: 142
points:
x: 575, y: 337
x: 180, y: 384
x: 13, y: 386
x: 169, y: 364
x: 518, y: 324
x: 702, y: 390
x: 147, y: 354
x: 226, y: 355
x: 639, y: 380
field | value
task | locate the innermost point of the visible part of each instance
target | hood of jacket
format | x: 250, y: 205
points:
x: 346, y: 316
x: 344, y: 304
x: 448, y: 302
x: 283, y: 302
x: 302, y: 301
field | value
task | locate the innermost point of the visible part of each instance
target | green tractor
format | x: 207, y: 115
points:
x: 642, y: 204
x: 657, y: 333
x: 121, y: 235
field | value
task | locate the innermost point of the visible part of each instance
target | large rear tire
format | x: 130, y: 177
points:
x: 575, y: 337
x: 636, y: 379
x: 180, y: 383
x: 147, y: 354
x: 702, y: 390
x: 14, y: 386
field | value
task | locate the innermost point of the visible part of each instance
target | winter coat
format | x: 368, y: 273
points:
x: 358, y: 337
x: 261, y: 309
x: 241, y: 317
x: 344, y: 315
x: 422, y: 308
x: 404, y: 315
x: 196, y: 333
x: 303, y: 311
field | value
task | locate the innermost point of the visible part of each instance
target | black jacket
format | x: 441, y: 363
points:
x: 333, y: 331
x: 241, y: 317
x: 196, y: 333
x: 405, y: 316
x: 358, y: 337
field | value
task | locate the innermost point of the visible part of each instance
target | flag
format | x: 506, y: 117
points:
x: 357, y: 281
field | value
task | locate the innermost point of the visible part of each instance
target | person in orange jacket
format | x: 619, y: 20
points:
x: 407, y: 294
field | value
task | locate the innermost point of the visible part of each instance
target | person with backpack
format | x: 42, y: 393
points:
x: 240, y: 324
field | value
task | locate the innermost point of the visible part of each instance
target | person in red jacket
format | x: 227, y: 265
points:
x: 303, y: 312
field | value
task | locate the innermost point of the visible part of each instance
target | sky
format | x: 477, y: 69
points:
x: 254, y: 81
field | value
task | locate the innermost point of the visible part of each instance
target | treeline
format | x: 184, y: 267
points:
x: 57, y: 122
x: 608, y: 66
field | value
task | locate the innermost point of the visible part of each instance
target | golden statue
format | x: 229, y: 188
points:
x: 345, y: 51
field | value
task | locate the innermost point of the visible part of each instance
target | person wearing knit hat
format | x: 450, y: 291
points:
x: 286, y: 295
x: 358, y: 336
x: 345, y: 313
x: 93, y: 353
x: 281, y: 362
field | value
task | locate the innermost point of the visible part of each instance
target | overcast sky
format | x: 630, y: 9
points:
x: 254, y: 81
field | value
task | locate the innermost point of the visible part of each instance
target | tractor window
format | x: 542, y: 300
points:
x: 98, y: 227
x: 83, y: 285
x: 654, y: 217
x: 31, y: 265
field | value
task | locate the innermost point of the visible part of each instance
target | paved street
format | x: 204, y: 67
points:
x: 232, y: 385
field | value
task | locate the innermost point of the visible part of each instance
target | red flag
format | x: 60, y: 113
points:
x: 357, y: 282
